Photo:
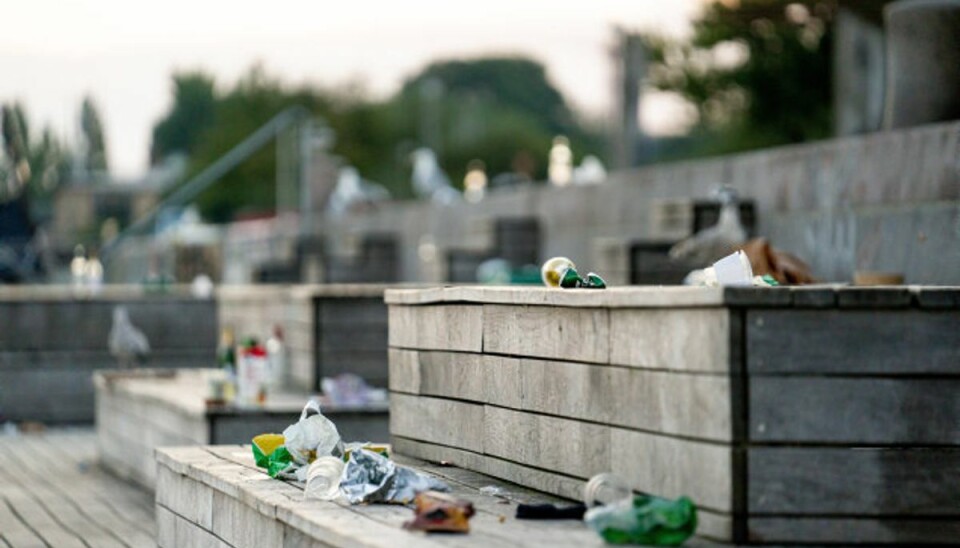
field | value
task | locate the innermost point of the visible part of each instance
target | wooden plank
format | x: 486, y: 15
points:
x: 757, y: 297
x: 936, y: 297
x: 854, y: 410
x: 698, y: 406
x: 240, y: 525
x: 854, y: 482
x: 674, y: 339
x: 853, y: 341
x: 437, y: 420
x: 582, y: 450
x: 712, y: 525
x: 35, y: 513
x: 114, y: 505
x: 577, y: 334
x: 439, y: 327
x: 814, y: 296
x: 14, y: 531
x: 672, y: 467
x: 853, y: 531
x: 404, y: 367
x: 874, y: 297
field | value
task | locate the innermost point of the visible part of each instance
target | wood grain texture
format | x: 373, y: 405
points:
x: 855, y: 410
x: 854, y: 482
x: 674, y: 339
x: 673, y: 467
x: 577, y: 334
x: 442, y: 327
x: 437, y: 420
x: 853, y: 341
x: 712, y: 525
x: 661, y: 401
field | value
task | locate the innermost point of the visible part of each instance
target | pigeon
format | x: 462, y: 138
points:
x: 127, y: 343
x: 717, y: 241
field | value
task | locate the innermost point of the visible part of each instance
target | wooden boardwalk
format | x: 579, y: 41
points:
x: 53, y: 494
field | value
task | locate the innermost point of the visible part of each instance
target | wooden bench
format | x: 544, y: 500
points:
x: 140, y: 411
x: 215, y: 496
x: 813, y: 414
x: 52, y: 340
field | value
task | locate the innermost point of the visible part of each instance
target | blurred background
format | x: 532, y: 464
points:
x: 288, y: 142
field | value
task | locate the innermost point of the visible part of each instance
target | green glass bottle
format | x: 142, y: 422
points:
x: 645, y: 519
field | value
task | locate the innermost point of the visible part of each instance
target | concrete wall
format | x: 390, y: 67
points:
x: 886, y: 201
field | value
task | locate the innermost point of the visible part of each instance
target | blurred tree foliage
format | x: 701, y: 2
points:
x: 94, y: 142
x: 31, y: 167
x: 759, y: 73
x: 503, y: 111
x: 191, y: 114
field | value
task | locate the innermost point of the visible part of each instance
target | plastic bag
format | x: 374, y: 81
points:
x: 371, y: 477
x: 312, y: 436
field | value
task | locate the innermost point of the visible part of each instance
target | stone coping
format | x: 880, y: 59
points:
x: 185, y: 390
x: 809, y: 296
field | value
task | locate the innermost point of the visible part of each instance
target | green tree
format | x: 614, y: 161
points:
x: 758, y: 71
x: 495, y: 110
x: 95, y: 148
x: 192, y: 113
x: 37, y: 167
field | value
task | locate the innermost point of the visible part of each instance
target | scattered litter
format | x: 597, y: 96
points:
x: 312, y: 436
x: 270, y: 453
x: 492, y: 490
x: 644, y: 519
x: 621, y: 517
x: 734, y: 270
x: 605, y: 488
x: 437, y: 512
x: 781, y: 266
x: 550, y: 511
x: 561, y: 272
x: 323, y: 478
x: 371, y: 477
x: 311, y: 451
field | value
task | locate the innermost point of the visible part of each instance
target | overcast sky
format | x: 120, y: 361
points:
x: 122, y: 52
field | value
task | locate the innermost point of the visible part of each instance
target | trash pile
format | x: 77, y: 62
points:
x: 311, y: 451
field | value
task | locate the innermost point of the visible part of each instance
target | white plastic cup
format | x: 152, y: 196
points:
x: 323, y: 478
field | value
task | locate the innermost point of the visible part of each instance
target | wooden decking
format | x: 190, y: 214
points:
x: 53, y: 494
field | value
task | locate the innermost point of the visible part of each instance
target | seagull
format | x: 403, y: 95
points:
x: 351, y: 190
x: 127, y: 343
x: 429, y: 180
x: 719, y: 240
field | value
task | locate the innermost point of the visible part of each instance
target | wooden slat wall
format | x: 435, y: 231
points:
x: 853, y: 414
x: 537, y: 395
